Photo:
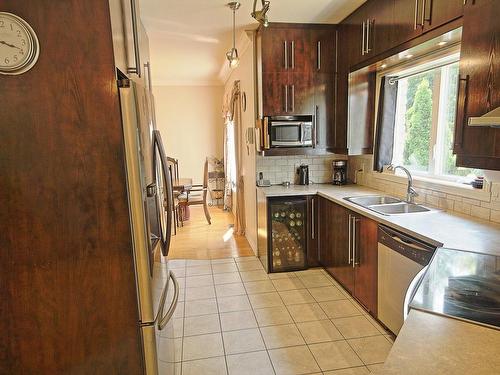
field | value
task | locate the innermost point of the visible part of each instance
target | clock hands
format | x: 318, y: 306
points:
x: 9, y: 45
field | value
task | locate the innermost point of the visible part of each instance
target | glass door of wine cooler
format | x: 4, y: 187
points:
x: 288, y: 228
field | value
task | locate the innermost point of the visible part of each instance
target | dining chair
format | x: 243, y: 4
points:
x: 198, y: 194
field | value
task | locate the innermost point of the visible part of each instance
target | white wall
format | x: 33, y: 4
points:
x: 245, y: 74
x: 190, y: 121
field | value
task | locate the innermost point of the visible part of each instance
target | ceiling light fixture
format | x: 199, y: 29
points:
x: 232, y: 54
x: 260, y: 15
x: 443, y: 43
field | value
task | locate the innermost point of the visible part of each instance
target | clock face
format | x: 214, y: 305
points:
x: 19, y: 46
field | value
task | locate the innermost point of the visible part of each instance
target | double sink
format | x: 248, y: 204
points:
x: 386, y: 205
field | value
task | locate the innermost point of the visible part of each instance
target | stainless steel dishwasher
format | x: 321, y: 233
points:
x: 400, y: 259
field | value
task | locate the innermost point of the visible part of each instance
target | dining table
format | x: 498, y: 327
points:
x: 182, y: 185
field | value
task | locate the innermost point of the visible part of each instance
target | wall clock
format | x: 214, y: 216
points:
x: 19, y: 46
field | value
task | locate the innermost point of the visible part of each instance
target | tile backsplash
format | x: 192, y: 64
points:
x: 486, y: 207
x: 284, y: 168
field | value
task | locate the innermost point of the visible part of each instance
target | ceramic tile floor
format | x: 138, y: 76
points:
x: 234, y: 319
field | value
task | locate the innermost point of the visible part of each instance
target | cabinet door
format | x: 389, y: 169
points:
x: 312, y: 230
x: 275, y: 50
x: 439, y: 12
x: 361, y: 95
x: 352, y: 36
x: 381, y: 29
x: 300, y: 50
x: 275, y: 94
x: 323, y: 50
x: 324, y: 111
x: 300, y: 94
x: 479, y: 88
x: 334, y: 243
x: 365, y: 259
x: 407, y: 17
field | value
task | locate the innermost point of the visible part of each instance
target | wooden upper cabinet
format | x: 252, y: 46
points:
x: 274, y: 49
x: 380, y: 26
x: 324, y: 109
x: 300, y: 93
x: 323, y: 50
x: 275, y: 93
x: 352, y: 36
x: 479, y: 85
x: 439, y: 12
x: 361, y: 109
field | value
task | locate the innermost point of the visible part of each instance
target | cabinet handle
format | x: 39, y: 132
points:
x: 463, y: 88
x: 355, y: 255
x: 424, y: 8
x: 285, y: 53
x: 150, y: 83
x: 319, y: 55
x: 368, y: 25
x: 137, y: 56
x: 293, y: 54
x: 293, y: 98
x: 363, y: 40
x: 267, y: 141
x: 315, y: 130
x: 313, y: 219
x: 350, y: 240
x: 286, y: 98
x: 416, y: 15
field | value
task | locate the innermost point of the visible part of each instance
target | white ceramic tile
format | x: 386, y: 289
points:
x: 222, y: 260
x: 243, y: 341
x: 255, y: 363
x: 197, y: 281
x: 262, y: 300
x: 237, y: 320
x: 339, y: 309
x: 315, y: 281
x: 224, y: 268
x: 209, y: 366
x: 203, y: 346
x: 291, y: 297
x: 200, y: 307
x: 326, y: 293
x: 203, y: 324
x: 227, y: 290
x: 253, y: 275
x: 371, y: 349
x: 288, y: 284
x: 202, y: 292
x: 293, y: 360
x: 335, y: 355
x: 281, y: 336
x: 262, y: 286
x: 227, y: 278
x: 319, y: 331
x: 306, y: 312
x: 355, y: 326
x: 250, y: 265
x: 199, y: 270
x: 349, y: 371
x: 270, y: 316
x: 233, y: 303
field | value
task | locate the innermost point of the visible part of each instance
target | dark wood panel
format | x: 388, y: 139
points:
x: 382, y: 36
x: 273, y: 49
x: 324, y: 101
x: 366, y: 258
x: 312, y: 229
x: 439, y: 12
x: 301, y: 94
x: 479, y: 62
x: 361, y: 111
x: 274, y: 91
x: 323, y: 50
x: 68, y: 290
x: 406, y: 16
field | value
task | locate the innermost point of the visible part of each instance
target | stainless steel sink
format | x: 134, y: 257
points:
x: 398, y: 208
x: 387, y: 205
x: 366, y: 201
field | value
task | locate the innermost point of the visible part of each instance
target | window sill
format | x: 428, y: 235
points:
x: 441, y: 186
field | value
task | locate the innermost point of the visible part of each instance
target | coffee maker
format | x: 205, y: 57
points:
x: 339, y: 176
x: 303, y: 172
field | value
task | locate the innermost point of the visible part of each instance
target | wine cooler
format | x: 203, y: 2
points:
x: 287, y: 237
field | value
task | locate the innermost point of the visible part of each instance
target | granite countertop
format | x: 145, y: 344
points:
x: 437, y: 227
x: 428, y: 343
x: 437, y: 345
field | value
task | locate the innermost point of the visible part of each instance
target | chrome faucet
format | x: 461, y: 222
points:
x: 411, y: 193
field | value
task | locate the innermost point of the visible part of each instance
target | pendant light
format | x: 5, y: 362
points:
x: 261, y: 15
x: 232, y: 54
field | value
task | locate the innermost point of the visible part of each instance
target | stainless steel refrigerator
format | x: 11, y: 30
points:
x: 150, y: 206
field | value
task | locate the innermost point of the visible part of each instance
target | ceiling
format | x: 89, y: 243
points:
x: 189, y: 38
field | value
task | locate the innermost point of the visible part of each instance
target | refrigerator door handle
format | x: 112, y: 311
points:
x: 164, y: 319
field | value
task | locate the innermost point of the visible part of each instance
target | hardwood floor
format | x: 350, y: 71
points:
x: 198, y: 240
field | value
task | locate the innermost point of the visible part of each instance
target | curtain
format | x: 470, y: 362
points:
x: 386, y: 120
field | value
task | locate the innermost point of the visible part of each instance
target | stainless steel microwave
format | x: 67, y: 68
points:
x: 290, y: 131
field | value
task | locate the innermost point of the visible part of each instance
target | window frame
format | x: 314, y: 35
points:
x: 441, y: 58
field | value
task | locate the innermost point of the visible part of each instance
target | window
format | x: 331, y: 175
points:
x: 425, y: 120
x: 231, y: 154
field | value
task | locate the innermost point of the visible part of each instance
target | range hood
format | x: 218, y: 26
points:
x: 491, y: 118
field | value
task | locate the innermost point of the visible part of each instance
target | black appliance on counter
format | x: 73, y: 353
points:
x: 290, y: 131
x: 339, y: 174
x: 287, y: 239
x: 303, y: 172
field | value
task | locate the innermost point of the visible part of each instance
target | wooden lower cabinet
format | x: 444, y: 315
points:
x: 348, y: 251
